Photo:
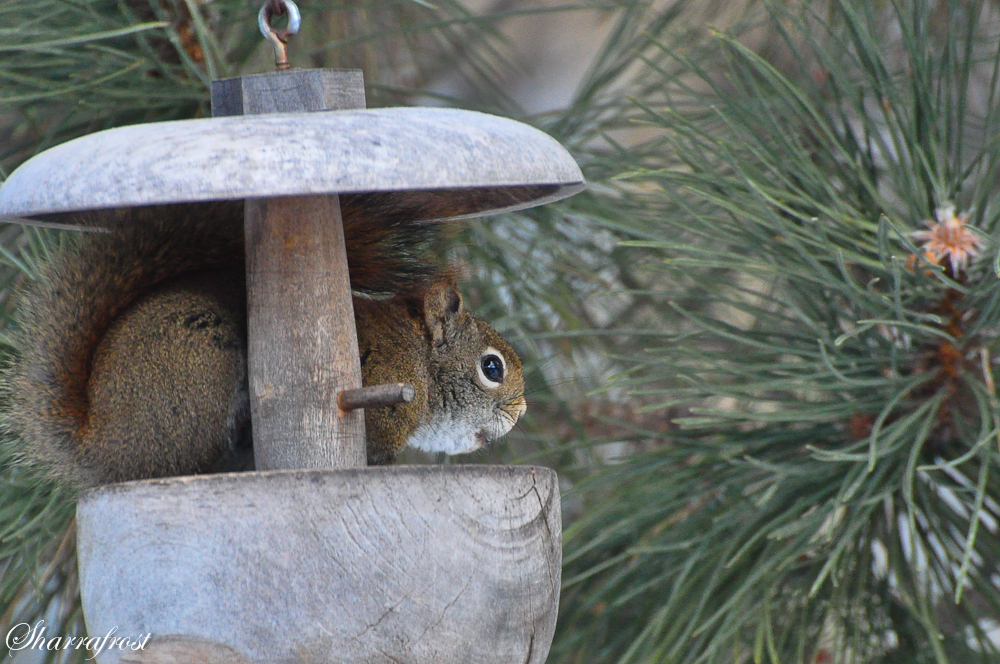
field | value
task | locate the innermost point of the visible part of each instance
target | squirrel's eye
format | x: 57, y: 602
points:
x: 491, y: 368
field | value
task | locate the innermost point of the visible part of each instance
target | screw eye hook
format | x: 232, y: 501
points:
x: 279, y: 38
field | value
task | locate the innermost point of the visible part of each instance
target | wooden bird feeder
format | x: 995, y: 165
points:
x: 313, y: 558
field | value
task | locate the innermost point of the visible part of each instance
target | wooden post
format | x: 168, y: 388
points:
x: 293, y: 91
x: 302, y: 345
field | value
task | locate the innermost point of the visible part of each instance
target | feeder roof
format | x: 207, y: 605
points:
x: 442, y: 163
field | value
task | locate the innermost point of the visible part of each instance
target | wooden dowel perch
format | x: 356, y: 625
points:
x: 376, y: 396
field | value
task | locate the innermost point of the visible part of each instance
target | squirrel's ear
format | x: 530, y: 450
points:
x: 442, y: 304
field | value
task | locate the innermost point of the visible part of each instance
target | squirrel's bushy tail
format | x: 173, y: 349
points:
x: 65, y: 314
x: 389, y: 253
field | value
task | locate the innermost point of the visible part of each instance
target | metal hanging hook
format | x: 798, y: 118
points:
x: 279, y: 38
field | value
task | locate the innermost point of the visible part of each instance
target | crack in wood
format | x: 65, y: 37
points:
x: 444, y: 610
x: 544, y: 512
x: 531, y: 647
x: 380, y: 618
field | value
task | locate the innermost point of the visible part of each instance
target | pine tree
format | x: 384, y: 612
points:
x: 828, y: 244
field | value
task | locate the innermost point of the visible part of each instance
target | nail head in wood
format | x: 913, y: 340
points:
x: 376, y: 396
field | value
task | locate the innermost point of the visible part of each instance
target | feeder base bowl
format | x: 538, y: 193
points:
x: 418, y: 564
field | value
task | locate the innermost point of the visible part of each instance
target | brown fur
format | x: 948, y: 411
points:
x: 70, y: 309
x: 430, y: 341
x: 134, y: 346
x: 393, y: 350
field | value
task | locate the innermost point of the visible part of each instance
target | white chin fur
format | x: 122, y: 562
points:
x: 452, y: 437
x: 445, y: 436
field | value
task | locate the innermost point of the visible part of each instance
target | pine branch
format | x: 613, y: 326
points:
x: 830, y: 202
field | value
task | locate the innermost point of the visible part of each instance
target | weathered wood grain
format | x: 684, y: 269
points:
x: 420, y: 564
x: 376, y: 396
x: 378, y: 150
x: 289, y: 92
x: 184, y: 650
x: 302, y: 345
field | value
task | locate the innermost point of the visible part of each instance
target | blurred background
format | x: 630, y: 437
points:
x: 759, y: 347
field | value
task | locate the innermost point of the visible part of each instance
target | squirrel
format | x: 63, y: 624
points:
x: 132, y: 347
